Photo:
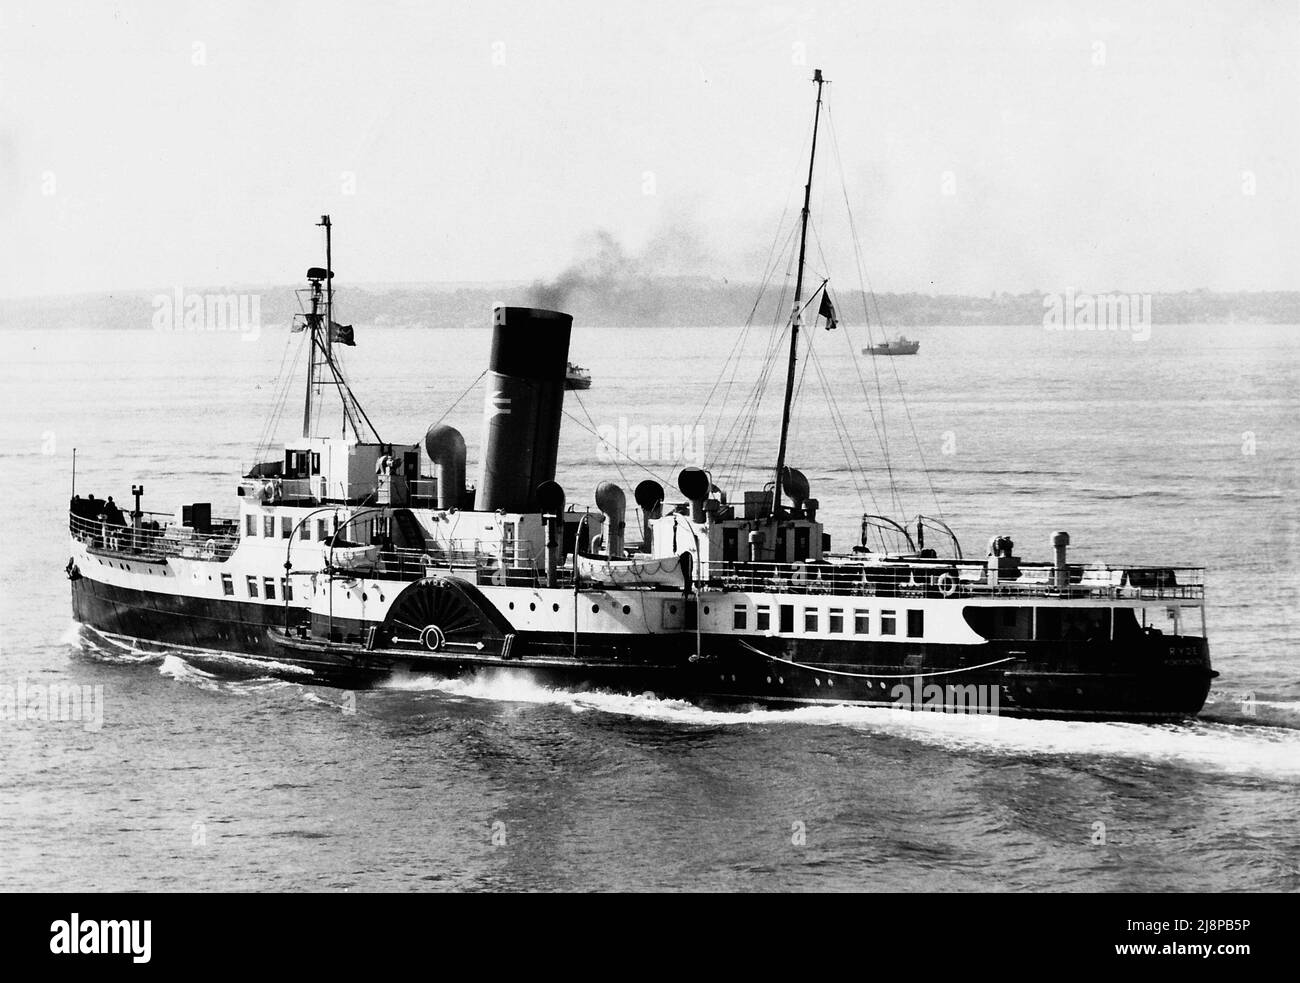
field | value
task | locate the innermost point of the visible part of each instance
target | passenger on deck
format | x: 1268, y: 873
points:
x: 113, y: 515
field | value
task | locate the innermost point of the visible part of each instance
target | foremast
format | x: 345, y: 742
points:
x: 321, y: 330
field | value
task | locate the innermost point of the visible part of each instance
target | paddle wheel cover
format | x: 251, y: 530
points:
x: 445, y: 614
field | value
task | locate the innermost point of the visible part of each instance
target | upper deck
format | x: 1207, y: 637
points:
x: 157, y: 537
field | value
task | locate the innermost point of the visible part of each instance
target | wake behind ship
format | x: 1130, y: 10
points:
x: 349, y: 558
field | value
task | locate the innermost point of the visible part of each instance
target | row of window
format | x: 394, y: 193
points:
x: 266, y: 588
x: 323, y: 527
x: 286, y: 526
x: 835, y: 620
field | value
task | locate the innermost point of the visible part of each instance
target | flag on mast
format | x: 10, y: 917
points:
x: 341, y: 334
x: 827, y: 310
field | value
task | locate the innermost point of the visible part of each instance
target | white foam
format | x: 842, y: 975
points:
x: 174, y: 667
x: 1232, y: 748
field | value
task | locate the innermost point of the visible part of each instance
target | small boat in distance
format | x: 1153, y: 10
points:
x: 899, y: 346
x: 576, y: 377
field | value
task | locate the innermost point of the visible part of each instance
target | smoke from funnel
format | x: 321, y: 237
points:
x: 606, y: 276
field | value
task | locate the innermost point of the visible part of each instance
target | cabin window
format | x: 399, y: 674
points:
x: 315, y: 463
x: 801, y: 542
x: 888, y: 623
x: 763, y: 618
x: 915, y: 624
x: 787, y: 618
x: 286, y: 589
x: 836, y: 620
x: 295, y: 464
x: 322, y: 530
x: 268, y: 586
x: 250, y: 525
x: 861, y: 622
x: 304, y: 530
x: 286, y: 527
x: 227, y: 585
x: 268, y: 526
x: 730, y: 544
x: 739, y: 617
x: 252, y: 586
x: 810, y: 619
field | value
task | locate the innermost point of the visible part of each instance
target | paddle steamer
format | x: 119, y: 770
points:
x: 349, y: 559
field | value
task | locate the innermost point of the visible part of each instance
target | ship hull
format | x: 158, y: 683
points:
x: 1150, y: 678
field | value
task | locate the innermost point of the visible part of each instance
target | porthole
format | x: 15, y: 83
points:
x: 706, y: 609
x: 769, y: 680
x: 363, y: 597
x: 626, y: 609
x: 672, y: 609
x: 830, y: 682
x: 781, y: 680
x: 532, y: 606
x: 512, y: 605
x: 816, y: 681
x: 595, y: 609
x: 381, y: 598
x: 555, y: 607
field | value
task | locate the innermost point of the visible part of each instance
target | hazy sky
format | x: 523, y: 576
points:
x: 985, y: 146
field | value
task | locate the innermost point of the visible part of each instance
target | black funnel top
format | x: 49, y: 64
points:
x: 529, y: 343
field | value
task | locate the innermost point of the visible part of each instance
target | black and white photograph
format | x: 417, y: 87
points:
x: 726, y: 447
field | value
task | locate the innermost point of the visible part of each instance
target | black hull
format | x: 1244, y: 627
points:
x: 1148, y: 678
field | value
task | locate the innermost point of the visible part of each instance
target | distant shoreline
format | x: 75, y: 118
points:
x: 646, y: 302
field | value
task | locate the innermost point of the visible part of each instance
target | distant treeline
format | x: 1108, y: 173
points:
x: 642, y: 302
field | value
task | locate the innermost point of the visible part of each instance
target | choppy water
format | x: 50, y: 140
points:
x: 1179, y: 449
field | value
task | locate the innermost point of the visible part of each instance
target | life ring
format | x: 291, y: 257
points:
x: 209, y: 549
x: 799, y: 574
x: 946, y: 584
x: 498, y: 576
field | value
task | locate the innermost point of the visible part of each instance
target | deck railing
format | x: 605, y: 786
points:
x: 158, y: 537
x: 510, y: 563
x: 961, y: 578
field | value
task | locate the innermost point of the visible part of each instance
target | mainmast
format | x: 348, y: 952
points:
x: 796, y: 314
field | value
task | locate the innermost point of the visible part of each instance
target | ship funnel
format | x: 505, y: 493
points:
x: 613, y: 504
x: 649, y: 496
x: 523, y: 406
x: 446, y: 448
x: 694, y: 484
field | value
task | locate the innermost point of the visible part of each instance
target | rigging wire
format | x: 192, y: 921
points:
x: 866, y: 290
x: 453, y: 406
